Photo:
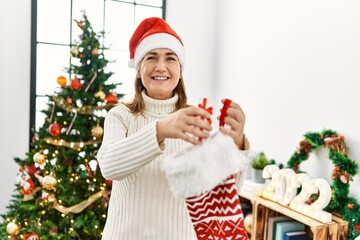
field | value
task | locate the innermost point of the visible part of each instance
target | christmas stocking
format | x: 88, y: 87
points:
x: 204, y: 176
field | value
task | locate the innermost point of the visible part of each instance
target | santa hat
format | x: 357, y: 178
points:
x: 154, y: 33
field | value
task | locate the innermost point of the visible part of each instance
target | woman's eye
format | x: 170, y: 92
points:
x: 151, y: 58
x: 171, y: 59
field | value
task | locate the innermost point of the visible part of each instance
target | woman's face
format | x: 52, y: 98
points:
x: 160, y: 73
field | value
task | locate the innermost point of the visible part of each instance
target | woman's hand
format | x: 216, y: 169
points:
x: 234, y: 124
x: 185, y: 124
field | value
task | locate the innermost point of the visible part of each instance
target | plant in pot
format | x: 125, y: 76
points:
x: 258, y: 163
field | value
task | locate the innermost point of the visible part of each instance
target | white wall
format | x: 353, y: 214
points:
x: 292, y: 65
x: 14, y: 97
x: 195, y: 26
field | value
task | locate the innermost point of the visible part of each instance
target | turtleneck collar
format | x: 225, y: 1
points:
x: 159, y: 107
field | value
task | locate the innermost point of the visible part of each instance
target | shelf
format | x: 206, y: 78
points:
x: 262, y: 209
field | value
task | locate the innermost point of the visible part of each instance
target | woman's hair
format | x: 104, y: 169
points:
x: 137, y: 105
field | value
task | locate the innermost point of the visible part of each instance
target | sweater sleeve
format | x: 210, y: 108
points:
x: 239, y: 177
x: 120, y: 155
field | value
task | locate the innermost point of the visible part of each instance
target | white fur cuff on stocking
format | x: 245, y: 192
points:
x: 199, y: 168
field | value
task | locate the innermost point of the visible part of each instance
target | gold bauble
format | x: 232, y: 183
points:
x: 97, y: 131
x: 39, y: 158
x: 48, y: 182
x: 12, y: 228
x: 74, y: 51
x: 100, y: 94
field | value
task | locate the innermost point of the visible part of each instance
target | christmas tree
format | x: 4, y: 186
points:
x: 61, y: 193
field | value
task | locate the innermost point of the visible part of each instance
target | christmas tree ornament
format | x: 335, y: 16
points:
x: 69, y: 100
x: 75, y: 84
x: 108, y: 182
x: 91, y: 81
x: 72, y: 123
x: 39, y: 158
x: 55, y: 129
x: 74, y: 51
x: 62, y: 81
x: 68, y: 161
x: 49, y: 183
x: 31, y: 236
x: 111, y: 98
x: 343, y: 179
x: 204, y: 175
x: 351, y: 206
x: 100, y: 94
x: 357, y: 227
x: 94, y: 51
x: 12, y: 228
x: 84, y: 174
x: 26, y: 183
x: 97, y: 131
x: 53, y: 230
x: 27, y: 186
x: 31, y: 170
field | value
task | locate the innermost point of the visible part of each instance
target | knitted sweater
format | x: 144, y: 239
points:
x: 141, y: 205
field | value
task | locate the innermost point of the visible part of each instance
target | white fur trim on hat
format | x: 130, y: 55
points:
x: 159, y: 40
x: 200, y: 168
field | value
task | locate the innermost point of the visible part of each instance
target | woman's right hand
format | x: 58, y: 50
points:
x: 185, y: 124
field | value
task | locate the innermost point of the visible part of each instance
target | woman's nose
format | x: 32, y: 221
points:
x: 160, y: 66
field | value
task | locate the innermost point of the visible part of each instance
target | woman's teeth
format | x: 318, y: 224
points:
x: 160, y: 78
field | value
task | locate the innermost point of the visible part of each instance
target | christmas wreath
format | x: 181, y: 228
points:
x: 343, y: 171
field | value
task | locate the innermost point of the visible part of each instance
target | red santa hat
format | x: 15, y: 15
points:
x: 154, y: 33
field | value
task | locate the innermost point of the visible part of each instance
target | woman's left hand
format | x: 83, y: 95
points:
x: 234, y: 124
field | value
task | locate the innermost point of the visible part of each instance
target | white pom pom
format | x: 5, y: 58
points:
x: 200, y: 168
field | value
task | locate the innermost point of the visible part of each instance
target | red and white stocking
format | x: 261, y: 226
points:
x: 204, y: 175
x: 200, y: 174
x: 217, y: 214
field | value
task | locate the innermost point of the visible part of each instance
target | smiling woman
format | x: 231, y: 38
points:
x: 138, y: 134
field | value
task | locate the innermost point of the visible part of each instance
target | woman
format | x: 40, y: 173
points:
x: 138, y: 134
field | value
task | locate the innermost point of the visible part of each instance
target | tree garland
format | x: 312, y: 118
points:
x: 344, y: 170
x: 86, y: 109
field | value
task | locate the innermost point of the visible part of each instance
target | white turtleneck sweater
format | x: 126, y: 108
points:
x: 141, y: 205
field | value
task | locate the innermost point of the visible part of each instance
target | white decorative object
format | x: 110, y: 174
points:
x: 299, y: 202
x: 285, y: 190
x: 309, y: 187
x: 270, y: 172
x: 283, y: 187
x: 316, y: 208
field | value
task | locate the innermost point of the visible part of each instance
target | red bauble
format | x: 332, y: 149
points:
x: 357, y: 227
x: 111, y: 98
x: 351, y: 206
x: 75, y: 84
x: 108, y: 182
x: 31, y: 170
x: 55, y: 129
